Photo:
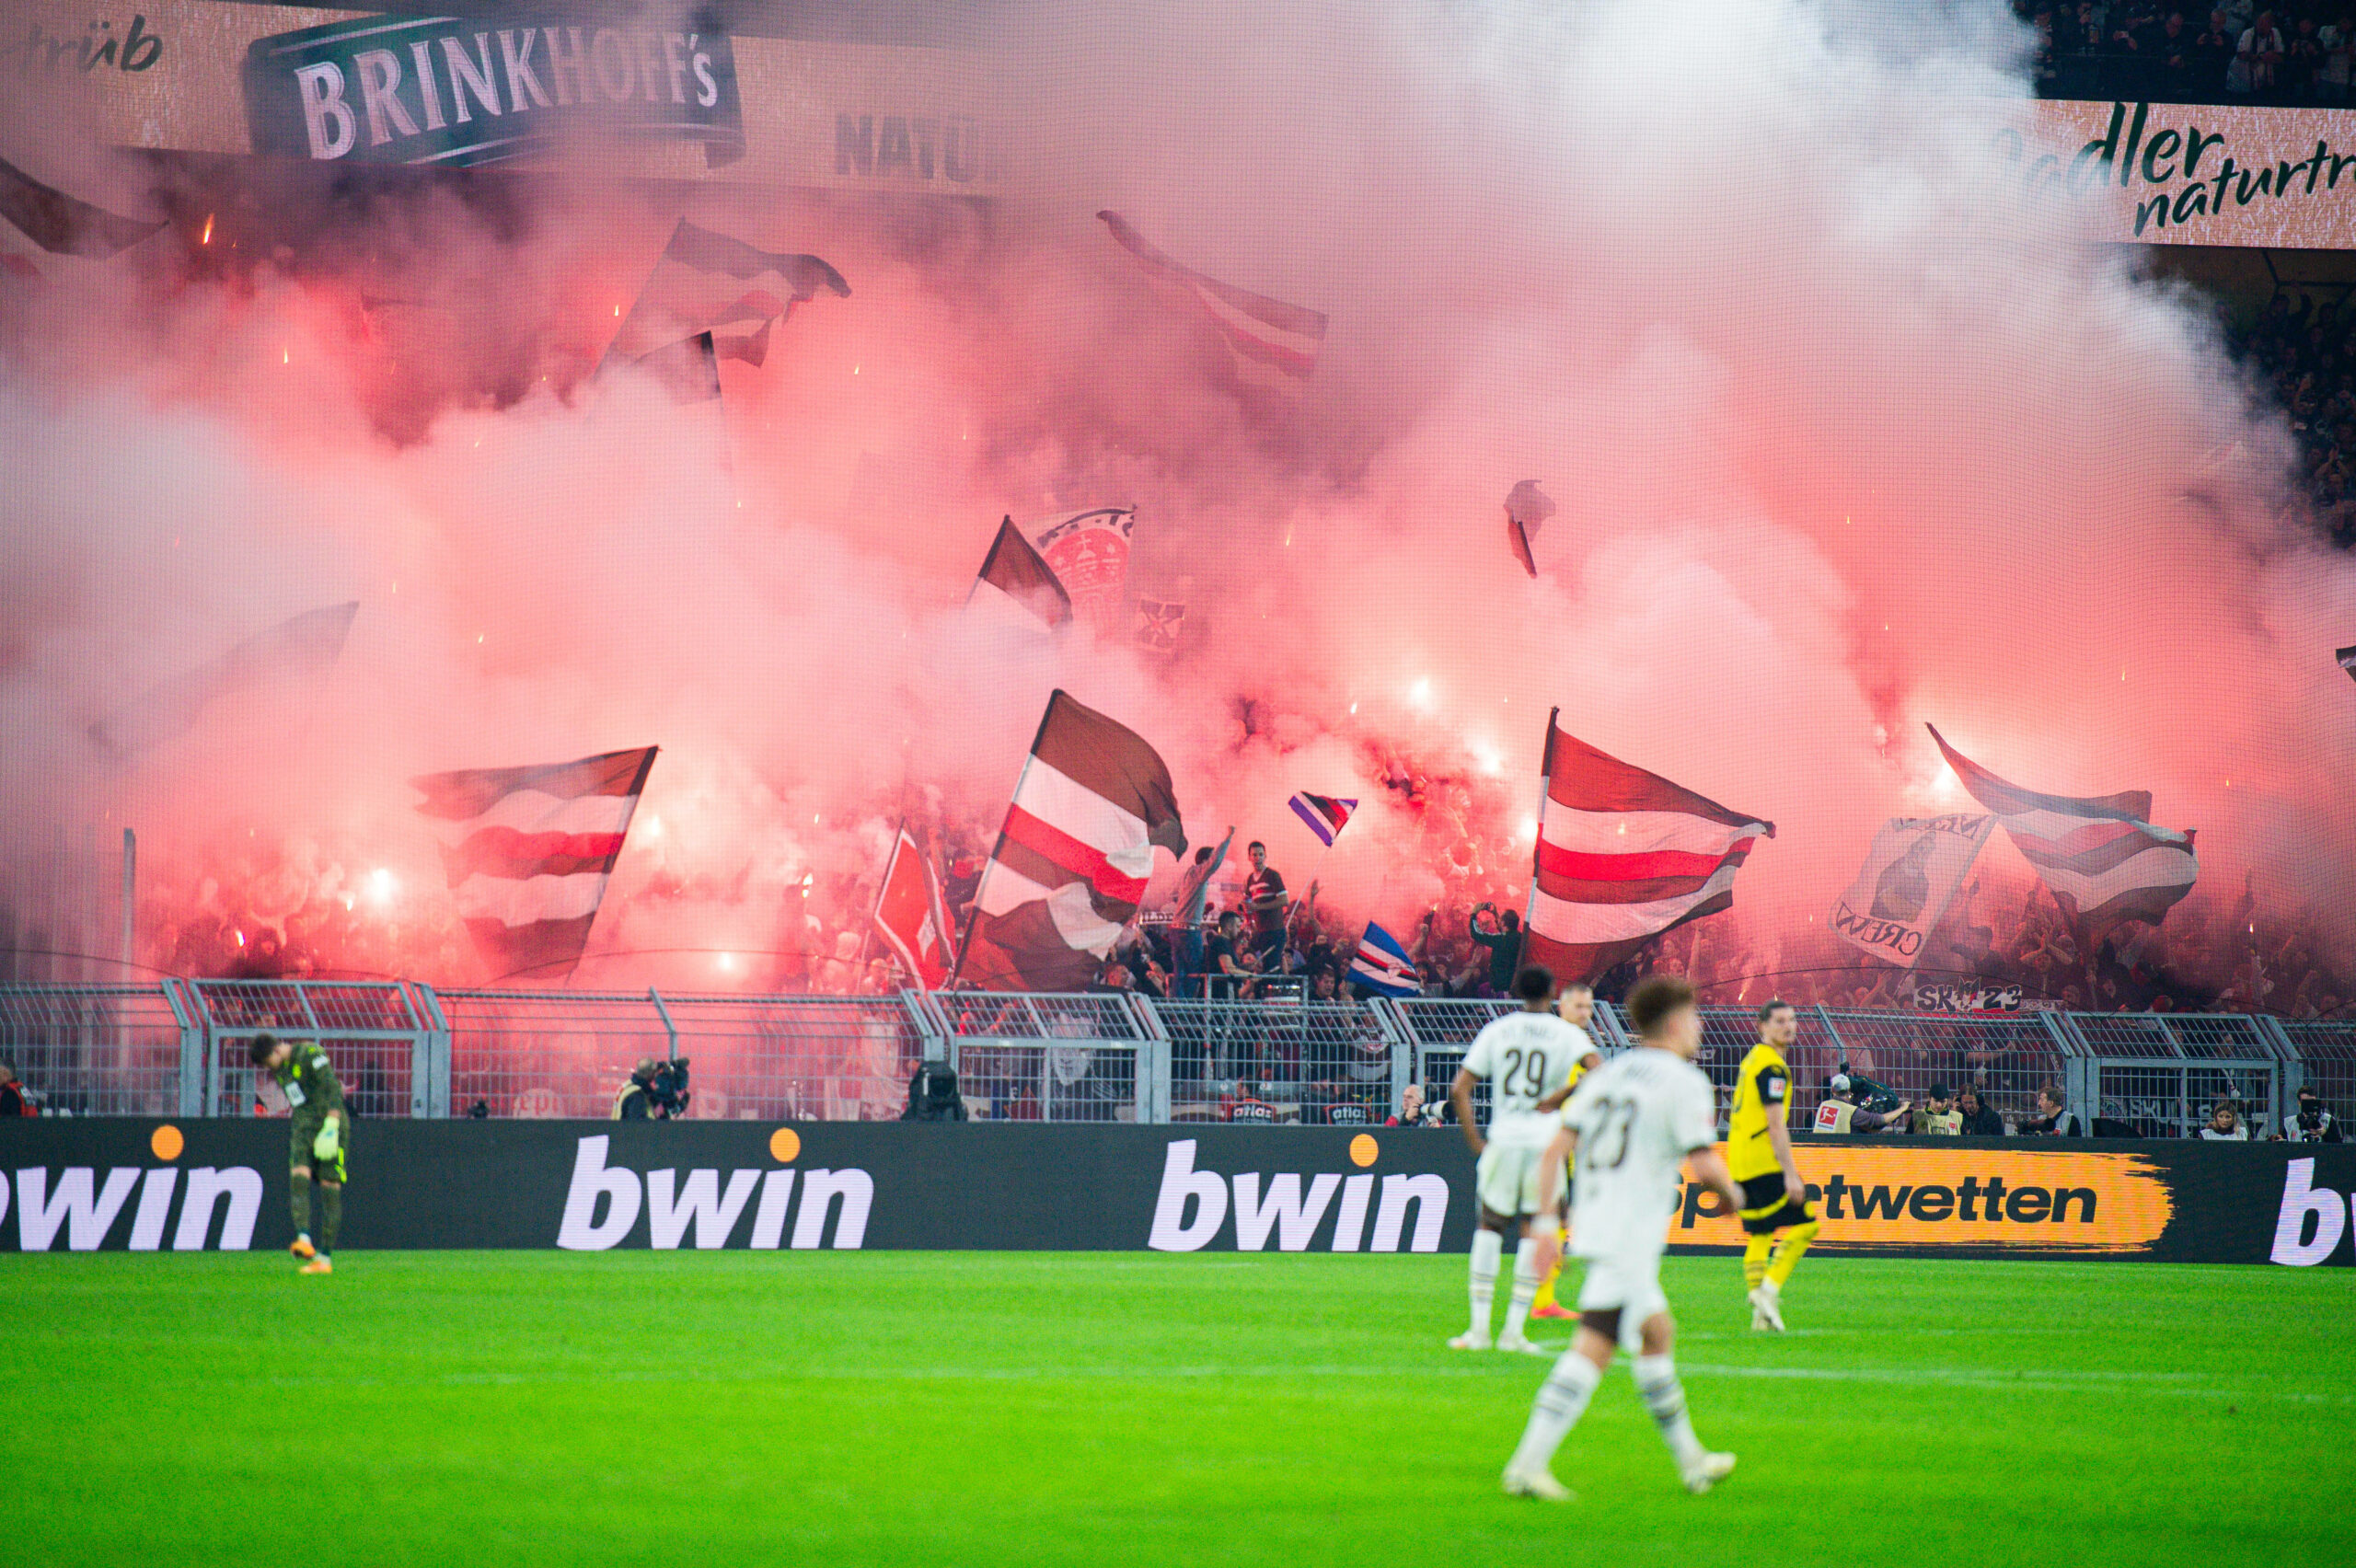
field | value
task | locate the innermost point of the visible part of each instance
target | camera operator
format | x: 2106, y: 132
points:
x: 657, y: 1091
x: 2310, y: 1123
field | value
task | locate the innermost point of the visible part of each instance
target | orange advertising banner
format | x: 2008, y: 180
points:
x: 1989, y: 1200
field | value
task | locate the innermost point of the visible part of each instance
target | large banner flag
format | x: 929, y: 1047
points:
x: 1072, y: 860
x: 711, y: 297
x: 528, y: 851
x: 1264, y: 334
x: 1089, y: 553
x: 1909, y: 876
x: 1019, y: 573
x: 306, y: 646
x: 1325, y: 815
x: 1382, y: 966
x: 1526, y: 508
x: 911, y: 917
x: 2100, y: 856
x: 1623, y: 856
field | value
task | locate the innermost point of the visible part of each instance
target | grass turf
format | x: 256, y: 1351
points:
x: 1087, y: 1410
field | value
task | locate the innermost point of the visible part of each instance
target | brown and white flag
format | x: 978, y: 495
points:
x: 1623, y: 856
x: 2100, y: 856
x: 1073, y: 859
x: 1273, y: 341
x: 1017, y: 570
x: 529, y: 850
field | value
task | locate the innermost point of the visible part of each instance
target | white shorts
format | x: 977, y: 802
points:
x: 1630, y: 1281
x: 1506, y: 1177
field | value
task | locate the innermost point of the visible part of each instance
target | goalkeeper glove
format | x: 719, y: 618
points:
x: 330, y: 1140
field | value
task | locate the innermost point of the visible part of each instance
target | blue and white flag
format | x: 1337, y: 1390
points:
x: 1325, y: 815
x: 1381, y: 965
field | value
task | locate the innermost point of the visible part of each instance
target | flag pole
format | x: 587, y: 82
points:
x: 973, y: 914
x: 1537, y: 837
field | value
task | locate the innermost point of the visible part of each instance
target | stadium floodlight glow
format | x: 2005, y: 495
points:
x: 727, y: 960
x: 381, y: 886
x: 1420, y: 694
x: 1527, y: 826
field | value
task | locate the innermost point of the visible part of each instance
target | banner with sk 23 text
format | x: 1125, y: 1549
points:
x: 146, y: 1185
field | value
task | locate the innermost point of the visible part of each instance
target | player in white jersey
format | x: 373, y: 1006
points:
x: 1527, y: 1056
x: 1632, y: 1123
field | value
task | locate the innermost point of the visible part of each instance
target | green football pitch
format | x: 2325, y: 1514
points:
x: 1136, y: 1410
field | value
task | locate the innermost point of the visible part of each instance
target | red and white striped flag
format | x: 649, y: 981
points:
x: 911, y: 917
x: 709, y: 286
x: 1262, y: 332
x: 2099, y: 855
x: 529, y: 850
x: 1623, y: 856
x: 1072, y: 860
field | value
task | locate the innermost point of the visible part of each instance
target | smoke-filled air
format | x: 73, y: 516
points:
x: 1843, y: 436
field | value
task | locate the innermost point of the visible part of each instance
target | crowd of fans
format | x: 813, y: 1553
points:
x: 2297, y: 52
x: 2302, y: 349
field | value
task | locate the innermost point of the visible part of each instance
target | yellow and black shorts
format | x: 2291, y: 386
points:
x: 1766, y: 1209
x: 303, y: 1134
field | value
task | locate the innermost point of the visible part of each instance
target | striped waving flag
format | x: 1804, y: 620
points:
x: 1072, y: 860
x: 2100, y: 856
x: 709, y: 298
x: 1623, y: 856
x: 1022, y: 574
x: 1325, y: 815
x: 1262, y: 332
x: 1381, y: 965
x: 529, y: 850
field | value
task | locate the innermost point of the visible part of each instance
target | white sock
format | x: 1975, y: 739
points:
x: 1561, y: 1400
x: 1525, y: 1286
x: 1487, y: 1247
x: 1665, y: 1397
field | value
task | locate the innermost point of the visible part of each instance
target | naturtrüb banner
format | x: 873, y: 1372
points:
x: 87, y: 1184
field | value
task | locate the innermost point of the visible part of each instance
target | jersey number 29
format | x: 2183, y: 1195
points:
x: 1531, y: 1069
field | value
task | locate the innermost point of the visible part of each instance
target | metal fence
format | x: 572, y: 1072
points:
x: 403, y: 1049
x: 2323, y: 1056
x: 1051, y: 1057
x: 539, y: 1053
x: 102, y: 1050
x: 1330, y: 1064
x: 375, y: 1032
x: 2161, y: 1074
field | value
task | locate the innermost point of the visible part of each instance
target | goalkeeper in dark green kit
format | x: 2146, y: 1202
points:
x: 316, y: 1152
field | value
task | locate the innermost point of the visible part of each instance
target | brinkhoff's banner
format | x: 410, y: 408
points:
x: 155, y: 1186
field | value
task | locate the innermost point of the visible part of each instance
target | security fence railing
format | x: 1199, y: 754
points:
x: 1327, y: 1062
x: 1051, y: 1055
x: 180, y: 1048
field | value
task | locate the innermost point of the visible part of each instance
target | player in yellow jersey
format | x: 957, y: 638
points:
x: 1759, y: 1157
x: 1576, y: 1007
